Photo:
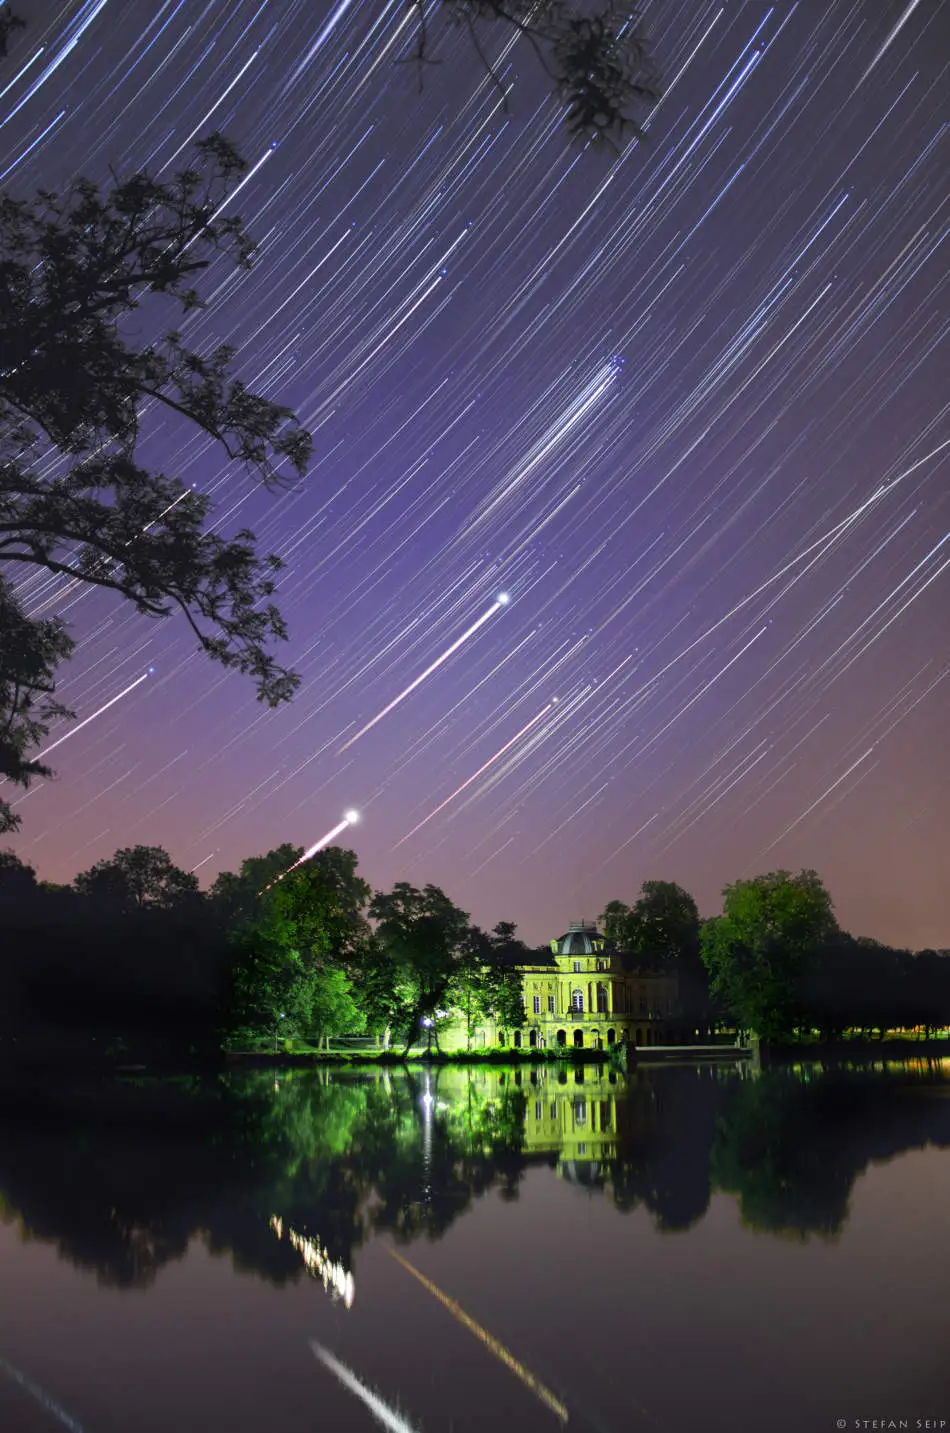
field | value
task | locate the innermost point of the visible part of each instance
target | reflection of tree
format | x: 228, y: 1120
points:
x: 667, y: 1169
x: 121, y: 1178
x: 791, y: 1146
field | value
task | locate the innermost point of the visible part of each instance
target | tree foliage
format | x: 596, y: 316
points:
x: 236, y: 896
x: 758, y: 950
x: 76, y: 378
x: 138, y: 878
x: 324, y: 900
x: 423, y: 935
x: 270, y: 989
x: 485, y: 983
x: 298, y: 935
x: 598, y: 62
x: 613, y: 919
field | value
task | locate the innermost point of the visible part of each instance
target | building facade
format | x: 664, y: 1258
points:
x: 587, y: 996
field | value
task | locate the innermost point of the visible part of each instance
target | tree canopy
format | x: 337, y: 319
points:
x: 758, y: 950
x: 424, y: 935
x: 297, y: 942
x: 662, y: 926
x: 136, y: 878
x: 75, y: 381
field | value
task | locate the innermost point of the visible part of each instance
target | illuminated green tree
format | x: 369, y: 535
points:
x: 270, y: 991
x: 423, y: 936
x: 334, y: 1006
x: 324, y: 900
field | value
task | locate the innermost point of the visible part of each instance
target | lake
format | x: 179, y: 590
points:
x: 469, y: 1248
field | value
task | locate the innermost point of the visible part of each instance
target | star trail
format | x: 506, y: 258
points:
x: 687, y: 406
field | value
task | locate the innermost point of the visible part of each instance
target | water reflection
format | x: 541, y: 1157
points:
x: 299, y: 1173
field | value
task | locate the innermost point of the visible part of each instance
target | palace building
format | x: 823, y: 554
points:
x: 586, y: 995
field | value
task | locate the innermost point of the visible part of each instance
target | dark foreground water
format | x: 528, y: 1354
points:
x: 491, y: 1249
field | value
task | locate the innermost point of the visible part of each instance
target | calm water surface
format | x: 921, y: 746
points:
x: 676, y: 1249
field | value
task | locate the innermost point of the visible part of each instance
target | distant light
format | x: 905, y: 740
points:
x: 503, y: 599
x: 351, y: 817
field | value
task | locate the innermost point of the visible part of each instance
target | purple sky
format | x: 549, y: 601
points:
x: 689, y: 409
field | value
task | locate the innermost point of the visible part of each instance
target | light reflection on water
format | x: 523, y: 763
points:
x: 567, y: 1238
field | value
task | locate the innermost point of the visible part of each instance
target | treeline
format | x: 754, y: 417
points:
x: 776, y: 963
x: 133, y: 954
x: 782, y: 967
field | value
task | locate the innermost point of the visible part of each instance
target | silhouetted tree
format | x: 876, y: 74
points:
x: 614, y: 919
x: 139, y: 878
x: 74, y: 381
x: 597, y: 62
x: 19, y: 889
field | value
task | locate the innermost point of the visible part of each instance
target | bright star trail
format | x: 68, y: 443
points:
x: 350, y: 819
x: 687, y: 405
x: 500, y: 602
x: 92, y: 715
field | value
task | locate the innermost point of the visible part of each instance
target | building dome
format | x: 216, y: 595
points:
x: 582, y: 938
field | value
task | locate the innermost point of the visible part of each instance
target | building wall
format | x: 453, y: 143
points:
x: 586, y: 1002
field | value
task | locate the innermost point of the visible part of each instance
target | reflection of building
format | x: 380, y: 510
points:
x: 587, y: 1117
x: 586, y: 995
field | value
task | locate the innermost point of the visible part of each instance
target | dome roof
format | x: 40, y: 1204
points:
x: 579, y: 940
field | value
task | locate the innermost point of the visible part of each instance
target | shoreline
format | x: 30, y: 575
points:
x: 38, y: 1061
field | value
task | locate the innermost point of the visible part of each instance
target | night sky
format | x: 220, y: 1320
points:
x: 689, y: 409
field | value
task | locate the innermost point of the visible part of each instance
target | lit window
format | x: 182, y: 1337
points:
x: 580, y: 1112
x: 537, y: 1005
x: 577, y: 967
x: 577, y: 1001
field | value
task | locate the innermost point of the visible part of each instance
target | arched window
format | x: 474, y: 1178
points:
x: 517, y: 1040
x: 603, y: 1005
x: 577, y: 1001
x: 578, y: 1039
x: 561, y: 1037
